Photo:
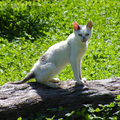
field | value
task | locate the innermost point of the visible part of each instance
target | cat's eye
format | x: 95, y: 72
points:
x: 80, y: 35
x: 87, y: 34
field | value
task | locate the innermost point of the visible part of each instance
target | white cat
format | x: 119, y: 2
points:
x: 59, y: 55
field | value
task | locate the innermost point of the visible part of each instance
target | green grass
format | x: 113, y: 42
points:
x: 28, y: 29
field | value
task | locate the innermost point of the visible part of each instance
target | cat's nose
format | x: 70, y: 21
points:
x: 83, y: 38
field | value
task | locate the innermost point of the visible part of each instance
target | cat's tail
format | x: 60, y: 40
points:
x: 29, y: 76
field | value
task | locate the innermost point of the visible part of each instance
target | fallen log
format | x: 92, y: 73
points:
x: 22, y: 99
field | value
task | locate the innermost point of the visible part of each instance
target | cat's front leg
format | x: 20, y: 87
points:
x: 74, y: 65
x: 79, y: 68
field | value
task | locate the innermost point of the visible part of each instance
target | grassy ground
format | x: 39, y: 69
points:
x: 28, y: 29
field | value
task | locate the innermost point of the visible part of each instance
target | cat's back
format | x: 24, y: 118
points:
x: 58, y: 47
x: 59, y: 50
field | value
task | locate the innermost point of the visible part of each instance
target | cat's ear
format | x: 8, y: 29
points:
x: 76, y: 26
x: 89, y: 25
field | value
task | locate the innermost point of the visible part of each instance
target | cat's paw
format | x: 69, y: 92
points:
x: 84, y: 80
x: 80, y: 82
x: 55, y: 80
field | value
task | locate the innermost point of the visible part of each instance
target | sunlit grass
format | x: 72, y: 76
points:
x: 28, y: 29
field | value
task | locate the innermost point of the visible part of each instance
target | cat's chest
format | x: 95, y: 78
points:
x: 81, y: 50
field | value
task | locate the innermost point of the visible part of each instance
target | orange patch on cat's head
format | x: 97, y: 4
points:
x: 76, y: 26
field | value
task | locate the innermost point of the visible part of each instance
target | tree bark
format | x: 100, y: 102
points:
x: 18, y: 100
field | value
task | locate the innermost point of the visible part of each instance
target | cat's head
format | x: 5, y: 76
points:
x: 83, y: 32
